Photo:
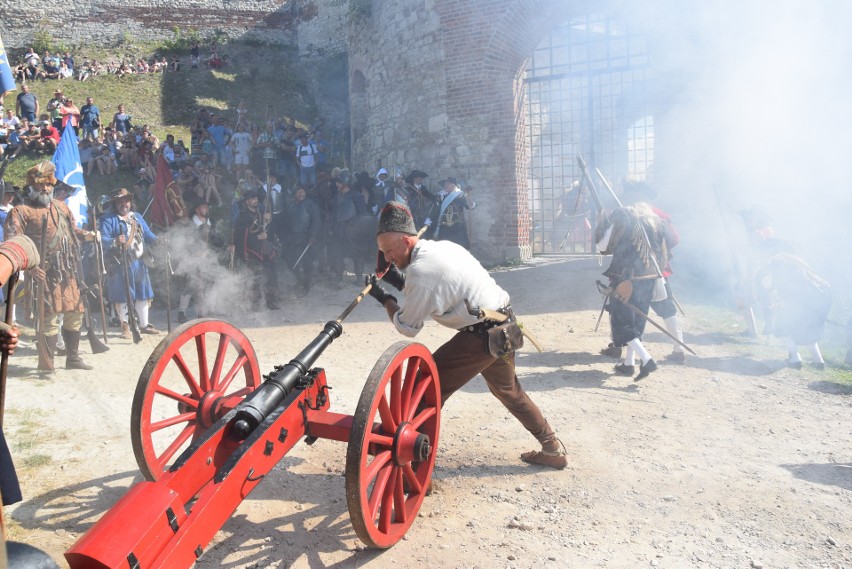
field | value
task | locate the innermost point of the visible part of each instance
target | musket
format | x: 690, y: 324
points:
x: 132, y: 322
x: 97, y: 346
x: 4, y: 359
x: 101, y: 269
x: 45, y: 357
x: 610, y: 292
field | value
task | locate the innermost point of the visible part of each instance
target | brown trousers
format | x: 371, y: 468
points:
x: 465, y: 356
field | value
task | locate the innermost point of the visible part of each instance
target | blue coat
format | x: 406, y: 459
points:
x: 111, y: 227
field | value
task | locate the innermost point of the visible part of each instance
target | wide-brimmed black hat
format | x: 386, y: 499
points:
x: 396, y: 218
x: 415, y: 174
x: 448, y: 179
x: 638, y: 192
x: 196, y: 203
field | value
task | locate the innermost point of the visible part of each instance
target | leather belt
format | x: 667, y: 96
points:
x: 485, y: 325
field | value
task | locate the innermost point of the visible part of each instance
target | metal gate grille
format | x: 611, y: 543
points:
x: 585, y: 94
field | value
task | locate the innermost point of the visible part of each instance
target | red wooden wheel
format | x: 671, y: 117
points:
x: 199, y: 372
x: 392, y: 444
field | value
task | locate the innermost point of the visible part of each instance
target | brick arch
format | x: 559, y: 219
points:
x: 487, y: 47
x: 444, y: 94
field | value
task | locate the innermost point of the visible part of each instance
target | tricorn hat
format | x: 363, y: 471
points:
x: 119, y: 194
x: 396, y: 218
x: 415, y: 174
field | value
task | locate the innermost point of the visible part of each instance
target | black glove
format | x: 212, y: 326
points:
x: 394, y: 277
x: 376, y: 291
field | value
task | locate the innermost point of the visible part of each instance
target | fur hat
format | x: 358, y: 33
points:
x: 396, y: 218
x: 42, y: 173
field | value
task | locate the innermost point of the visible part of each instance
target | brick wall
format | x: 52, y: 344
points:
x: 444, y: 94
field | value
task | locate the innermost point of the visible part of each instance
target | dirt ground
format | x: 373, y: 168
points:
x: 729, y: 461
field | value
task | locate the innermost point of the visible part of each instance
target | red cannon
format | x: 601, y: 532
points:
x: 206, y: 431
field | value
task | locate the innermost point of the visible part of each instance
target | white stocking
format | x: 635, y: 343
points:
x: 793, y: 350
x: 643, y: 354
x: 816, y: 353
x: 629, y: 356
x: 673, y: 326
x: 142, y: 313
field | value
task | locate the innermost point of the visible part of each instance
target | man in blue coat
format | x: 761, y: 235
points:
x: 125, y: 235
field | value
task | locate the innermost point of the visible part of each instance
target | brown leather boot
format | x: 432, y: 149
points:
x: 125, y: 331
x: 72, y: 344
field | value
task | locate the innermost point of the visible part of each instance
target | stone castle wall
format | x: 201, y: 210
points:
x: 315, y: 27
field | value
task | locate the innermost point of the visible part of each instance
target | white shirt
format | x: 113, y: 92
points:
x: 440, y: 277
x: 10, y: 122
x: 241, y: 142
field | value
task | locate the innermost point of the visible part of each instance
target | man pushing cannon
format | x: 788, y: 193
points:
x: 443, y: 280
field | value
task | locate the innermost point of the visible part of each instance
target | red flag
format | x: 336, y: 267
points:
x: 161, y: 213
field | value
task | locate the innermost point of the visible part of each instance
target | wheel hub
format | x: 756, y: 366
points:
x: 208, y: 408
x: 410, y: 445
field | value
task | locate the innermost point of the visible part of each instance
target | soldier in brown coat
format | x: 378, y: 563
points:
x: 62, y: 292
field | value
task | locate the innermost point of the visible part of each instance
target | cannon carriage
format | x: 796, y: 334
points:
x: 207, y: 428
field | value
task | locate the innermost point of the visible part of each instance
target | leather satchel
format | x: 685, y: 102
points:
x: 505, y: 339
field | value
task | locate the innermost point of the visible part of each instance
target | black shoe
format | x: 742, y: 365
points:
x: 624, y: 369
x: 794, y: 365
x: 675, y: 358
x: 646, y: 369
x: 612, y: 351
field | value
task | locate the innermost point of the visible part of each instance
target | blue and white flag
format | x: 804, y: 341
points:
x: 7, y: 79
x: 70, y: 170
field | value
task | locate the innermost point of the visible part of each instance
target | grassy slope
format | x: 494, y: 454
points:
x: 169, y: 102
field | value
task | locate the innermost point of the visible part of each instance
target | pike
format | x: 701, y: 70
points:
x: 573, y: 214
x: 45, y: 357
x: 611, y: 293
x: 593, y: 190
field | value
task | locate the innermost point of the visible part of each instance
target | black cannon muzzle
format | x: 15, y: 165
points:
x: 281, y: 381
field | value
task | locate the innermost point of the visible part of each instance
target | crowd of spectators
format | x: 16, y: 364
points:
x: 62, y: 65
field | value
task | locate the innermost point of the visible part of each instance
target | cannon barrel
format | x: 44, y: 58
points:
x: 281, y: 381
